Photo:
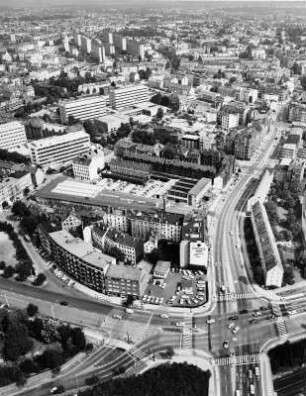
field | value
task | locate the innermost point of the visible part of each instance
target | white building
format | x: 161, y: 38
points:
x: 87, y: 169
x: 229, y: 121
x: 198, y: 254
x: 59, y: 149
x: 12, y: 135
x: 12, y: 188
x: 128, y: 96
x: 83, y: 108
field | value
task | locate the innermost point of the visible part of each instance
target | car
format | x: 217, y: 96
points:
x: 129, y: 310
x: 233, y: 317
x: 65, y: 303
x: 164, y: 316
x: 235, y: 329
x: 179, y: 324
x: 231, y: 325
x: 257, y: 372
x: 225, y: 344
x: 211, y: 321
x: 117, y: 316
x: 56, y: 390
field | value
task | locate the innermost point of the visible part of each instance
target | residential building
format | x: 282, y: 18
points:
x: 71, y: 222
x: 117, y: 220
x: 59, y: 149
x: 83, y: 108
x: 12, y: 135
x: 125, y: 280
x: 229, y: 120
x: 13, y: 186
x: 130, y: 170
x: 169, y: 226
x: 267, y: 246
x: 128, y: 96
x: 87, y: 168
x: 78, y: 259
x: 107, y: 238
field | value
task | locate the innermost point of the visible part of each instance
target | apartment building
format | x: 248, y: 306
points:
x: 297, y: 112
x: 106, y: 239
x: 77, y: 258
x: 229, y: 120
x: 87, y: 168
x: 267, y: 247
x: 12, y: 187
x: 12, y: 135
x: 168, y: 225
x: 128, y: 96
x: 83, y: 108
x: 116, y: 220
x: 122, y: 281
x: 130, y: 170
x: 59, y: 149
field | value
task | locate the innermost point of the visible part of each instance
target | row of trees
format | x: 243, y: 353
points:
x: 168, y: 379
x: 14, y: 157
x: 24, y: 268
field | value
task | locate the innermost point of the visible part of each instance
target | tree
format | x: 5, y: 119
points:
x: 2, y: 265
x: 160, y: 113
x: 32, y: 310
x: 78, y: 338
x: 40, y: 279
x: 16, y: 342
x: 20, y: 209
x: 26, y: 191
x: 4, y: 205
x: 8, y: 272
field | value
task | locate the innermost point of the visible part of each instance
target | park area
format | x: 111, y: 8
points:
x: 7, y: 250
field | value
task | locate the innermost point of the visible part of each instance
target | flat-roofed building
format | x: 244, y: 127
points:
x: 267, y: 247
x: 289, y: 150
x: 199, y: 191
x: 162, y: 269
x: 12, y: 135
x: 129, y: 95
x: 59, y: 149
x: 80, y: 260
x: 83, y: 108
x: 124, y: 280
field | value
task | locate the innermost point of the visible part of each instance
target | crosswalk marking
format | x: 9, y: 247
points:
x: 280, y: 324
x: 237, y: 360
x: 233, y: 296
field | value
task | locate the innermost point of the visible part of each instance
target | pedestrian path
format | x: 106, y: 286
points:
x: 280, y: 324
x: 237, y: 360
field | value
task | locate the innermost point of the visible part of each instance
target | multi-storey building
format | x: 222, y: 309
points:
x: 130, y: 170
x: 168, y: 225
x: 83, y: 108
x: 59, y: 149
x: 267, y: 247
x: 77, y: 258
x: 229, y: 120
x: 128, y: 96
x: 123, y: 281
x: 87, y: 168
x: 12, y: 135
x: 297, y: 112
x: 12, y: 187
x: 117, y: 220
x: 106, y: 239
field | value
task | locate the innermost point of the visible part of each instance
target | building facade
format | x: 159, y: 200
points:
x: 12, y: 135
x: 59, y: 149
x: 83, y: 108
x: 128, y: 96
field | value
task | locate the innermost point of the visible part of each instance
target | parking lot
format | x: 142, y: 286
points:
x: 181, y: 288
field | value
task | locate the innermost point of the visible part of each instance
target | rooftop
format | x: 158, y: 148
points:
x: 81, y: 249
x: 124, y: 272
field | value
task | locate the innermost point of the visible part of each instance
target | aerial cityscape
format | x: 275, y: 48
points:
x: 152, y: 198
